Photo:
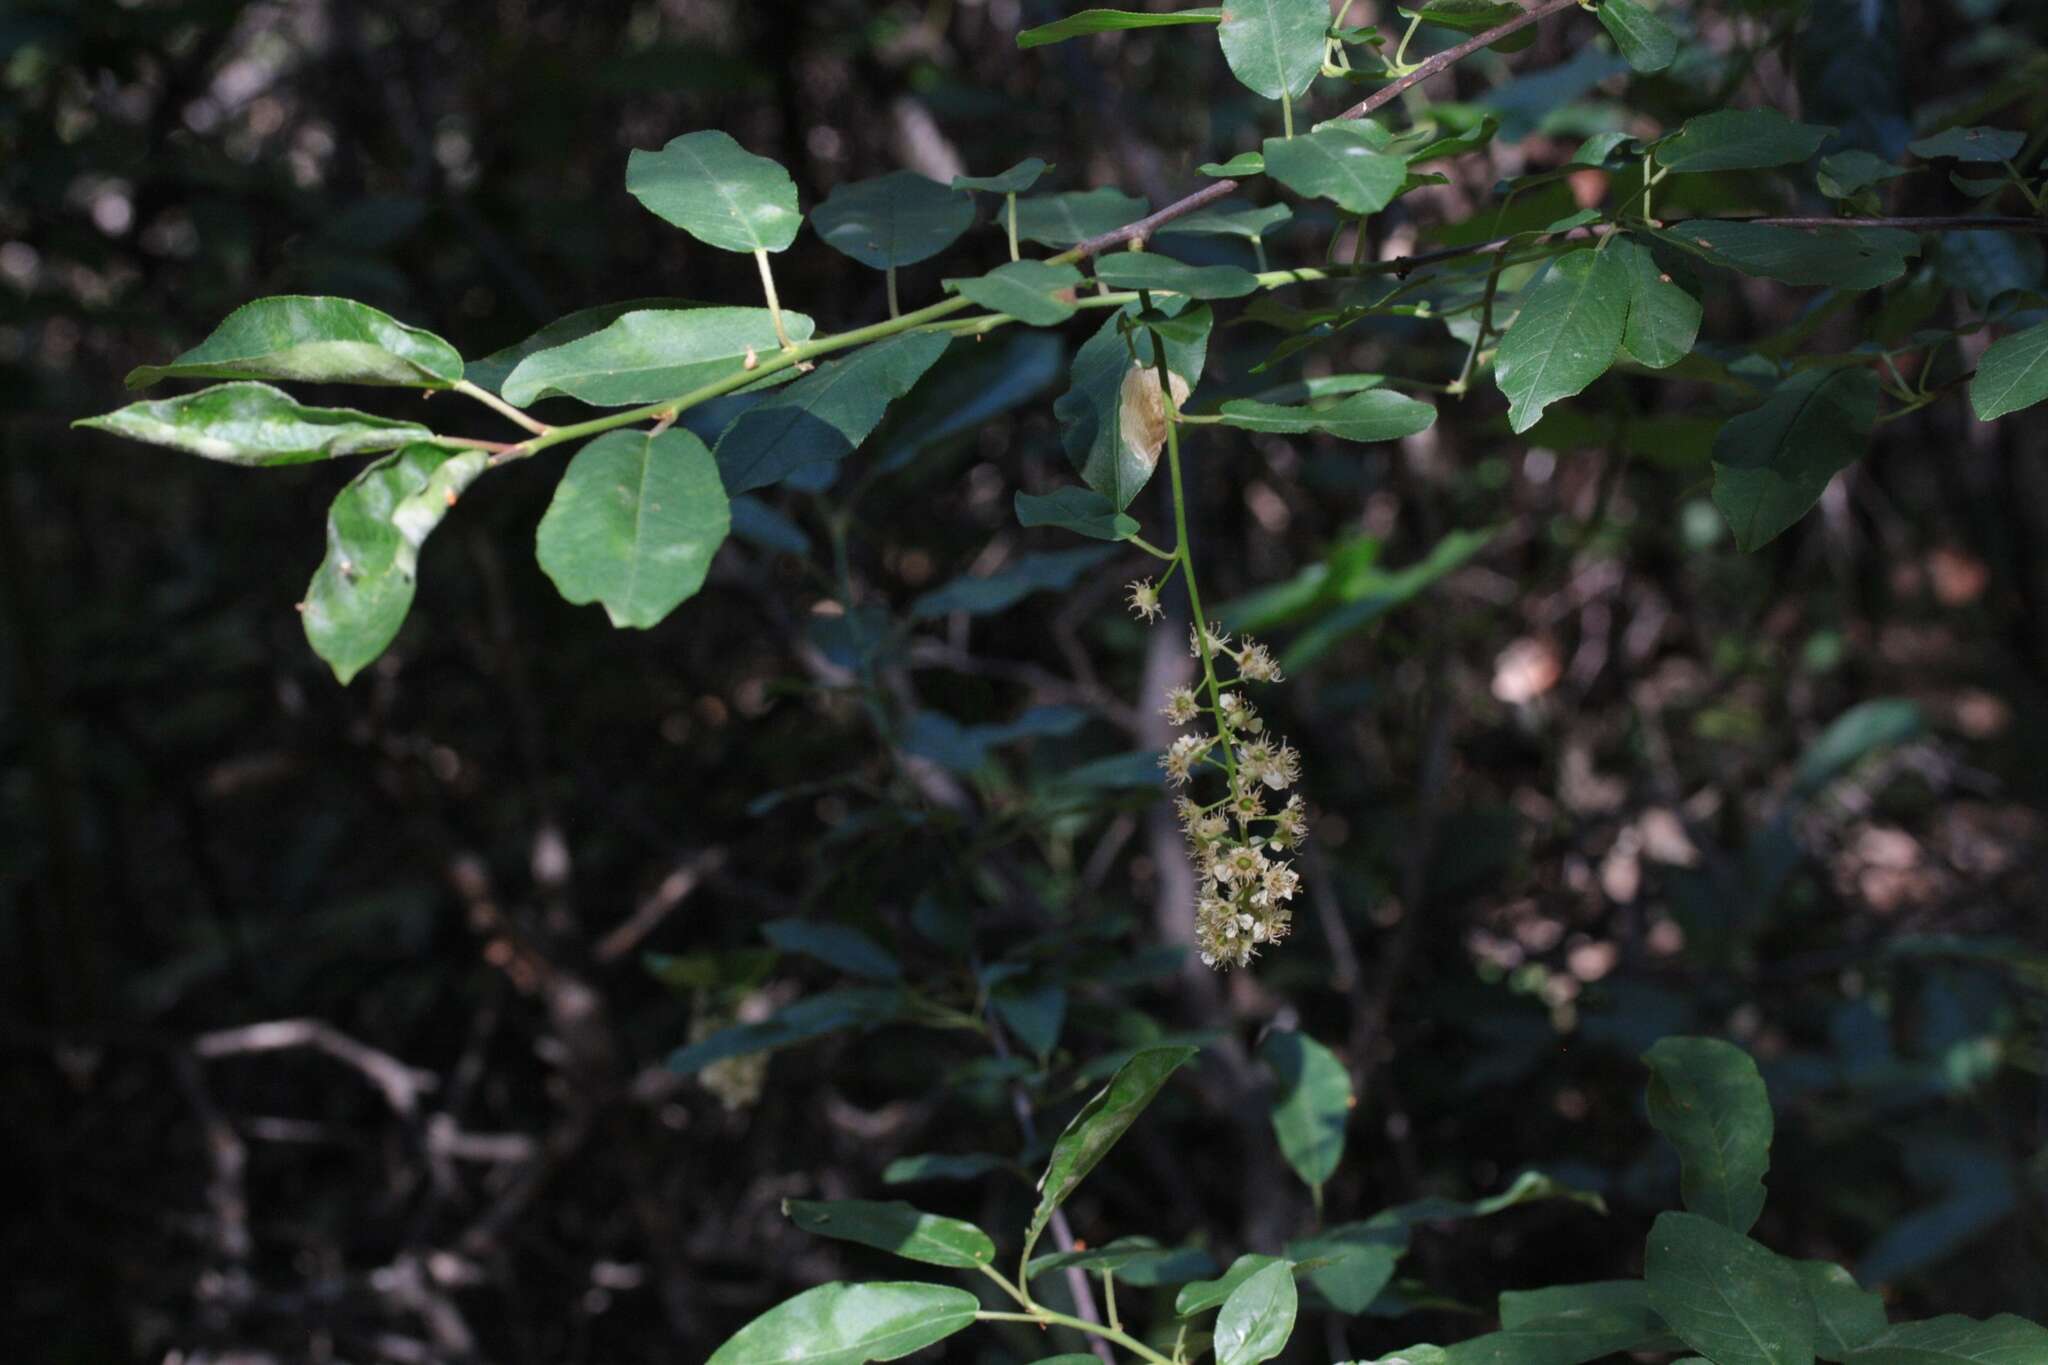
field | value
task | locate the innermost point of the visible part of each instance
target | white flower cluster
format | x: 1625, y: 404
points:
x: 1235, y: 841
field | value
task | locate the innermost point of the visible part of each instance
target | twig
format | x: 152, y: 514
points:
x: 400, y: 1084
x: 675, y: 888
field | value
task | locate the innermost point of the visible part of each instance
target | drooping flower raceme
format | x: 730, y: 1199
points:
x: 1238, y: 841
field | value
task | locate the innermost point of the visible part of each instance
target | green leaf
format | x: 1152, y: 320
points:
x: 1956, y: 1340
x: 1983, y: 145
x: 1854, y: 735
x: 1275, y: 47
x: 895, y: 1226
x: 1645, y: 40
x: 1231, y: 219
x: 1150, y: 270
x: 1842, y: 174
x: 1845, y: 1315
x: 1074, y: 508
x: 1255, y: 1321
x: 718, y: 192
x: 1739, y: 139
x: 835, y: 945
x: 1374, y: 415
x: 1033, y: 292
x: 1565, y: 336
x: 1772, y: 464
x: 1112, y: 419
x: 850, y: 1324
x: 1727, y: 1297
x: 1015, y: 180
x: 1201, y: 1295
x: 824, y: 415
x: 1474, y: 16
x: 634, y: 524
x: 1111, y: 21
x: 1708, y: 1101
x: 255, y: 426
x: 1312, y: 1106
x: 1570, y: 1323
x: 1116, y: 1257
x: 1093, y: 1131
x: 895, y: 219
x: 1663, y: 320
x: 1844, y: 257
x: 490, y: 372
x: 644, y: 357
x: 1239, y: 166
x: 1350, y: 1264
x: 906, y: 1170
x: 812, y: 1017
x: 1060, y: 220
x: 2012, y: 375
x: 364, y: 586
x: 1051, y: 571
x: 1346, y: 162
x: 314, y: 341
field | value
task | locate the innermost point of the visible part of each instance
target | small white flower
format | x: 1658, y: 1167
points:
x: 1143, y: 600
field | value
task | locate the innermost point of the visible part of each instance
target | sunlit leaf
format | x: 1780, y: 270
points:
x: 315, y: 341
x: 1090, y: 21
x: 363, y: 588
x: 1106, y: 1117
x: 850, y: 1324
x: 1255, y: 1321
x: 1663, y: 320
x: 1566, y: 335
x: 1646, y: 40
x: 1274, y: 47
x: 1346, y: 162
x: 256, y: 426
x: 1035, y: 292
x: 644, y: 357
x: 717, y: 191
x: 490, y: 372
x: 896, y: 1227
x: 634, y: 523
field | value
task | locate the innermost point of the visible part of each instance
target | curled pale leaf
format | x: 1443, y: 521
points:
x: 1141, y: 413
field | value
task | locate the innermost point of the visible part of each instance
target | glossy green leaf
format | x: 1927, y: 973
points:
x: 1312, y: 1106
x: 644, y: 357
x: 2012, y: 375
x: 1842, y: 174
x: 1473, y: 17
x: 490, y: 372
x: 1772, y: 464
x: 313, y: 340
x: 1199, y: 1296
x: 1051, y: 571
x: 812, y: 1017
x: 908, y: 1170
x: 1663, y: 320
x: 1106, y: 1117
x: 826, y: 414
x: 1074, y: 508
x: 896, y: 1227
x: 364, y: 586
x: 1239, y: 166
x: 895, y: 219
x: 718, y: 192
x: 1346, y: 162
x: 1112, y: 419
x: 1150, y: 270
x: 850, y: 1324
x: 1347, y: 1266
x: 1060, y: 220
x: 1035, y: 292
x: 1725, y: 1296
x: 836, y: 945
x: 1015, y: 180
x: 1982, y: 145
x: 1089, y: 21
x: 1274, y: 47
x: 1374, y: 415
x: 1255, y: 1321
x: 256, y: 426
x: 1566, y: 335
x: 1846, y: 1316
x: 1956, y: 1340
x: 1846, y: 258
x: 1739, y: 139
x: 634, y: 523
x: 1708, y: 1101
x: 1644, y: 39
x: 1116, y: 1257
x: 1230, y: 219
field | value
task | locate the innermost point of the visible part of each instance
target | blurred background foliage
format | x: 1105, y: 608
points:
x: 1603, y: 780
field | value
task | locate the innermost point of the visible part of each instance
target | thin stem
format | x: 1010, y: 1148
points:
x: 895, y: 309
x: 774, y: 304
x: 499, y: 406
x: 1109, y: 1301
x: 1399, y: 66
x: 1287, y: 115
x: 1010, y: 219
x: 1003, y: 1283
x: 1183, y: 550
x: 1149, y: 548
